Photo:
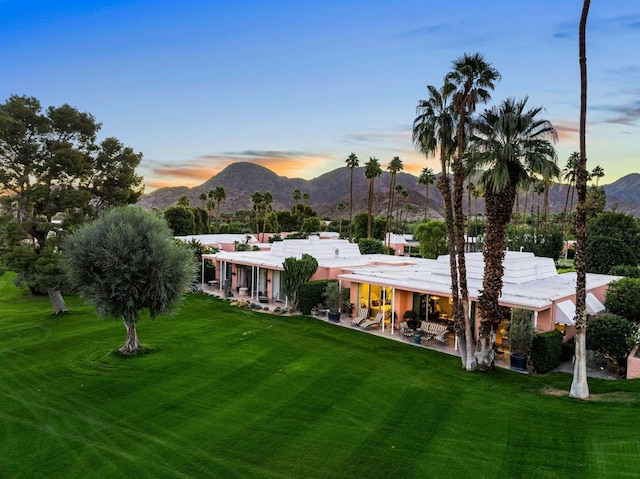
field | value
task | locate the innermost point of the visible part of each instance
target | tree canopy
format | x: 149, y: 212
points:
x: 126, y: 262
x: 54, y: 175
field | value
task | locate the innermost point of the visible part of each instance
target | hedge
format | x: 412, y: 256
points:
x: 545, y: 351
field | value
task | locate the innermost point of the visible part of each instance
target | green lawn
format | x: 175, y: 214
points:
x: 227, y: 393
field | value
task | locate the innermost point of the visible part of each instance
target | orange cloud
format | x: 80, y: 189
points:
x: 566, y: 129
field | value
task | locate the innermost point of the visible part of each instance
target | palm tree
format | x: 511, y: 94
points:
x: 306, y: 197
x: 203, y: 198
x: 426, y: 178
x: 569, y: 174
x: 267, y: 201
x: 539, y: 189
x: 579, y: 385
x: 340, y: 207
x: 372, y: 170
x: 597, y: 173
x: 394, y: 166
x: 471, y: 187
x: 218, y: 195
x: 352, y: 162
x: 434, y: 129
x: 512, y: 143
x: 256, y: 199
x: 474, y: 79
x: 402, y: 192
x: 297, y: 195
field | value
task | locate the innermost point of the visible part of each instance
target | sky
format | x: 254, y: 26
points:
x: 296, y: 86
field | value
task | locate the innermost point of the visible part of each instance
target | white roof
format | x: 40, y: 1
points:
x: 216, y: 239
x: 528, y: 281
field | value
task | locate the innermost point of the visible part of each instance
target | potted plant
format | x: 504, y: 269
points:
x: 521, y: 335
x: 410, y: 317
x: 332, y: 300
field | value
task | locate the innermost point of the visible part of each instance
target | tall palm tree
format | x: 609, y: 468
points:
x: 401, y: 192
x: 538, y: 189
x: 340, y: 207
x: 597, y: 173
x: 203, y: 198
x: 569, y: 174
x: 474, y: 79
x: 352, y: 163
x: 579, y: 386
x: 256, y: 199
x: 372, y: 170
x: 297, y: 195
x: 471, y: 187
x: 426, y: 178
x: 219, y: 195
x: 267, y: 201
x: 434, y: 130
x: 512, y: 143
x: 394, y: 166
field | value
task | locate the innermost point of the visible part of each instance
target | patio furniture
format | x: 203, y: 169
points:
x: 363, y: 315
x: 404, y: 329
x: 371, y: 323
x: 433, y: 330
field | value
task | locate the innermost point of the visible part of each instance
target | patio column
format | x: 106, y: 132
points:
x: 202, y: 272
x: 393, y: 308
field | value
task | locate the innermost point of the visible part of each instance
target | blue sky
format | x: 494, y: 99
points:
x: 298, y: 85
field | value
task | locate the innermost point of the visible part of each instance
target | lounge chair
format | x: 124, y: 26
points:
x: 363, y: 315
x: 373, y: 322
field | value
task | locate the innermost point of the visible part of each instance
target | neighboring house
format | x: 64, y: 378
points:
x: 224, y: 242
x: 386, y: 283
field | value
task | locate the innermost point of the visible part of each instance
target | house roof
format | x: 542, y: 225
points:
x: 528, y: 281
x: 216, y: 239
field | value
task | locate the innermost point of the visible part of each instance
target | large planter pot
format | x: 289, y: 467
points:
x: 519, y: 363
x: 333, y: 316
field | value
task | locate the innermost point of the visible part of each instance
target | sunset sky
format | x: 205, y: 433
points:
x: 296, y: 86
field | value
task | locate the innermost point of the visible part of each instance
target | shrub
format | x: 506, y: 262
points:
x: 604, y: 252
x: 371, y: 246
x: 546, y: 350
x: 310, y: 295
x: 609, y: 335
x: 521, y: 332
x: 625, y: 270
x: 568, y: 350
x: 623, y: 298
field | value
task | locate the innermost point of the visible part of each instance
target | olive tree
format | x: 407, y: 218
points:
x: 126, y: 262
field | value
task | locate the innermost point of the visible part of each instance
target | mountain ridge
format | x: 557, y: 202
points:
x: 241, y: 179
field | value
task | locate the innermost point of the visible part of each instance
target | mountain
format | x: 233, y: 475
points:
x: 240, y: 180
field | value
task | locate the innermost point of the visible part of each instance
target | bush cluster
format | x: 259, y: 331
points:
x: 546, y: 350
x: 310, y: 295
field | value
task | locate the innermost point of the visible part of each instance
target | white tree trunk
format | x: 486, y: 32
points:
x: 131, y: 345
x: 485, y: 355
x: 579, y: 385
x: 57, y: 301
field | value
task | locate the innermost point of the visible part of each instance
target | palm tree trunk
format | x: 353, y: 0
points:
x: 426, y: 201
x: 351, y: 206
x: 369, y: 208
x: 579, y: 385
x: 462, y: 309
x: 498, y: 208
x: 445, y: 190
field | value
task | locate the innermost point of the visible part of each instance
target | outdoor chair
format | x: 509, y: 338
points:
x: 404, y: 329
x: 363, y: 315
x: 373, y: 322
